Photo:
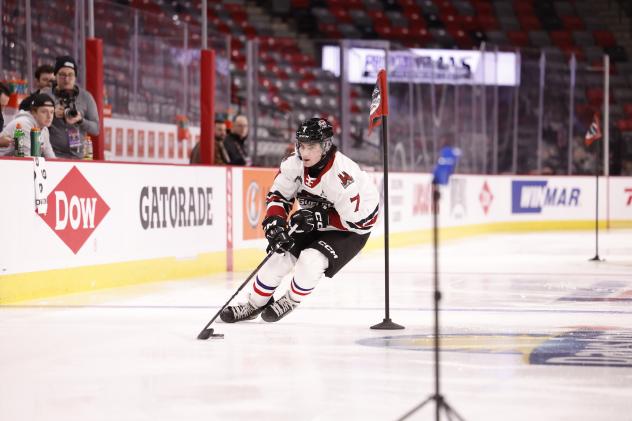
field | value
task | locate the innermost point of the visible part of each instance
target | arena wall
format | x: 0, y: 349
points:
x: 111, y: 224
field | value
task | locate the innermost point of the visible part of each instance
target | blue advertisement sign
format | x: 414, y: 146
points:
x: 531, y: 196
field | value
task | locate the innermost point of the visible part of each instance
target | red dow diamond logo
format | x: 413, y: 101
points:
x: 75, y: 209
x: 486, y: 197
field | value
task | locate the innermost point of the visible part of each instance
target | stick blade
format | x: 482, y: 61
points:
x: 205, y: 334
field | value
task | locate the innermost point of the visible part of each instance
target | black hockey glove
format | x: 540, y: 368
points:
x: 308, y: 220
x: 275, y: 229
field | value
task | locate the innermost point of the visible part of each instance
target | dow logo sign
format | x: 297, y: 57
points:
x: 75, y: 209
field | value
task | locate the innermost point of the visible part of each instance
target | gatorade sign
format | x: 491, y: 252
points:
x: 75, y: 210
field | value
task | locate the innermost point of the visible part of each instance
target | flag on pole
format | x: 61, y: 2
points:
x: 594, y: 131
x: 379, y: 101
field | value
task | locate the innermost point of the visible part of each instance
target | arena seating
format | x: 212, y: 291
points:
x: 291, y: 83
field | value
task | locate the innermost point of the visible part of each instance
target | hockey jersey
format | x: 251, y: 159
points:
x: 341, y: 187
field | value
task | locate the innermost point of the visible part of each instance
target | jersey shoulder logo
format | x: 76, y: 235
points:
x: 345, y: 179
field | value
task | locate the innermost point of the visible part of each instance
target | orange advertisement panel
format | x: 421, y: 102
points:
x: 130, y: 142
x: 150, y: 146
x: 141, y: 144
x: 256, y: 184
x: 118, y: 151
x: 108, y: 138
x: 172, y: 145
x: 162, y: 140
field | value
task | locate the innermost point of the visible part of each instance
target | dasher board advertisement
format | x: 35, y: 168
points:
x: 109, y: 212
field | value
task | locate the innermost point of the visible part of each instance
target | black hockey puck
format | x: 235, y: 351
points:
x: 208, y: 333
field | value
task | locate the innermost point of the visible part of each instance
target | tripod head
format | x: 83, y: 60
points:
x: 448, y: 158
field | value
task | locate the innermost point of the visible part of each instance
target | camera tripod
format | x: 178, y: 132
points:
x: 440, y: 402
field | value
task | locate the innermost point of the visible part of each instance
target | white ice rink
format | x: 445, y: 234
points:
x: 531, y: 330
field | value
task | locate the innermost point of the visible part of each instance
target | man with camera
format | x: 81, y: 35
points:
x: 75, y: 111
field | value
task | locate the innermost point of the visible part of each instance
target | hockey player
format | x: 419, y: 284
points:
x: 339, y: 206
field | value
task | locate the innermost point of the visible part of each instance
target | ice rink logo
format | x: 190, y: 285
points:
x: 586, y: 347
x: 532, y: 196
x: 75, y: 210
x: 628, y: 191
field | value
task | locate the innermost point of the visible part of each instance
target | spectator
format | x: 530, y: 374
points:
x: 41, y: 116
x: 5, y: 93
x: 235, y: 141
x: 75, y: 111
x: 221, y: 157
x: 44, y: 78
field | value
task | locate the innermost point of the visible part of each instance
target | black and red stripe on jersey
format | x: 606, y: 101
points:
x: 363, y: 225
x: 277, y: 205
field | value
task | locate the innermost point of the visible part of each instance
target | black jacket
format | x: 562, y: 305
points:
x: 236, y: 150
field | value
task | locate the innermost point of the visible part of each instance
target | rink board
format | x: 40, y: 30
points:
x: 112, y: 224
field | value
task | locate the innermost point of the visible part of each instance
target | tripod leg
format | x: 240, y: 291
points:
x: 450, y: 411
x: 415, y: 409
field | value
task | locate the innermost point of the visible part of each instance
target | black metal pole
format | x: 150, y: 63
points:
x: 386, y: 323
x: 437, y: 293
x: 596, y: 258
x: 386, y: 253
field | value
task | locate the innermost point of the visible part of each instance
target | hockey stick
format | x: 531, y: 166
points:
x: 208, y: 333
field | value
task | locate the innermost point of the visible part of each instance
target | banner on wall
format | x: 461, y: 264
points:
x: 255, y: 184
x: 76, y: 209
x: 109, y: 213
x: 434, y: 66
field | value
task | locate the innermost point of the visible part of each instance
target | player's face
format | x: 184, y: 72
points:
x: 44, y: 116
x: 310, y: 153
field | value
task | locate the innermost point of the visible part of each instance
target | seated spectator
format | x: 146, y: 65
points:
x: 221, y: 157
x: 41, y: 116
x: 5, y: 93
x: 235, y: 141
x: 75, y: 111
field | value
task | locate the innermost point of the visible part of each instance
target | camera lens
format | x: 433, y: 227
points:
x: 70, y: 113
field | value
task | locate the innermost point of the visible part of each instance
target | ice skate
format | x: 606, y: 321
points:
x: 279, y: 309
x: 242, y: 311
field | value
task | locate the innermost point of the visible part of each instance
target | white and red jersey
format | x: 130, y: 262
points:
x: 341, y: 187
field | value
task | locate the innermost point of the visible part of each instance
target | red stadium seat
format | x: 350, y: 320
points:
x: 469, y: 23
x: 569, y: 50
x: 562, y: 39
x: 529, y: 22
x: 341, y: 14
x: 488, y: 22
x: 594, y: 96
x: 604, y: 38
x: 625, y: 125
x: 300, y: 4
x: 523, y: 7
x: 462, y: 39
x: 518, y: 38
x: 573, y: 23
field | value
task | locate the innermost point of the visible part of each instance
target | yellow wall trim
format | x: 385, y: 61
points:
x: 36, y: 285
x: 247, y: 259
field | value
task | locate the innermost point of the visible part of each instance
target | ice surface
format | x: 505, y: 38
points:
x: 531, y: 330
